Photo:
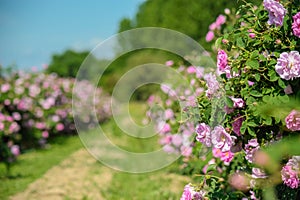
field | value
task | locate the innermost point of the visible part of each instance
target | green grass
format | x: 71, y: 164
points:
x: 32, y: 165
x: 128, y: 142
x: 161, y: 184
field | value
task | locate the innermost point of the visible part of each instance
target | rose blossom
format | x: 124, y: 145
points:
x: 45, y: 134
x: 212, y: 84
x: 293, y: 121
x: 169, y: 63
x: 250, y: 83
x: 177, y: 140
x: 258, y: 173
x: 252, y: 35
x: 5, y: 87
x: 191, y: 70
x: 288, y: 89
x: 276, y: 12
x: 221, y: 139
x: 16, y: 116
x: 213, y: 26
x: 250, y: 149
x: 288, y: 65
x: 289, y: 173
x: 40, y: 125
x: 237, y: 102
x: 14, y: 127
x: 59, y: 127
x: 169, y: 114
x: 227, y: 157
x: 217, y: 152
x: 203, y: 134
x: 189, y: 193
x: 167, y: 139
x: 227, y: 11
x: 15, y: 150
x: 166, y: 128
x: 186, y: 151
x: 225, y: 41
x: 221, y: 19
x: 253, y: 197
x: 236, y: 125
x: 296, y: 25
x: 168, y: 149
x: 209, y: 36
x: 222, y: 60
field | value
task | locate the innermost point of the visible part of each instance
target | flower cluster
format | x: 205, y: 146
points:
x: 176, y: 137
x: 216, y: 26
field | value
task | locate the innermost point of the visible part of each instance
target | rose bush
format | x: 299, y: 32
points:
x: 36, y: 106
x: 176, y: 137
x: 250, y: 102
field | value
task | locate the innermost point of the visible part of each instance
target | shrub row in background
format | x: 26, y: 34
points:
x: 36, y: 106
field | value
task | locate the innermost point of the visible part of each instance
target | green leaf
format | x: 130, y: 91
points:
x: 244, y: 92
x: 250, y: 101
x: 254, y: 54
x: 255, y: 93
x: 273, y: 76
x: 251, y: 131
x: 272, y: 62
x: 240, y: 42
x: 268, y: 121
x: 229, y: 102
x: 277, y: 119
x: 281, y: 83
x: 284, y: 99
x: 268, y: 38
x: 268, y: 90
x: 252, y: 124
x: 262, y: 57
x: 243, y: 127
x: 267, y: 99
x: 218, y: 43
x: 211, y: 167
x: 257, y: 77
x: 254, y: 64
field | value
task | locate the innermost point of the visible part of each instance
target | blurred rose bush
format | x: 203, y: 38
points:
x: 36, y: 106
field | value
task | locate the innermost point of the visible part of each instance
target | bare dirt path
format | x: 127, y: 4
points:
x: 77, y: 177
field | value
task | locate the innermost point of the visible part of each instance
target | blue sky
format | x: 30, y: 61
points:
x: 32, y: 30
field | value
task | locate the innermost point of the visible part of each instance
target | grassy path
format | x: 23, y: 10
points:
x: 80, y: 176
x: 32, y: 165
x: 74, y: 178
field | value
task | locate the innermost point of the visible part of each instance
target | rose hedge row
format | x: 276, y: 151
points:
x: 36, y: 106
